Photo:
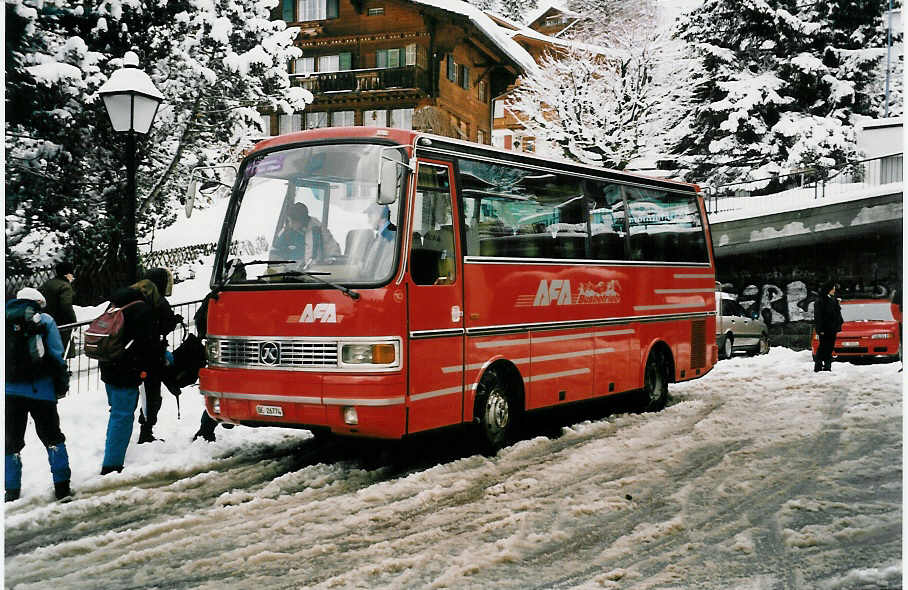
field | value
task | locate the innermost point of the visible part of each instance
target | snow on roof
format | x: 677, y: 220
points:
x: 496, y: 34
x: 545, y: 7
x: 567, y: 43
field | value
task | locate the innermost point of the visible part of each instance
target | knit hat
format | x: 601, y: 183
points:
x: 32, y: 294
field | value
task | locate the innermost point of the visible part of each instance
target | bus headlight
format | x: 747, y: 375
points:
x: 881, y: 336
x: 370, y: 353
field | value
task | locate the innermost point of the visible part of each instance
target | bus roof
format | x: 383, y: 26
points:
x: 431, y: 142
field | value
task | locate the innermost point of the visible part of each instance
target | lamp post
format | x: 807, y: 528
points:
x: 132, y: 101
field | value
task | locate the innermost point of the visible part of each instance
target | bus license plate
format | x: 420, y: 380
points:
x: 851, y: 344
x: 269, y: 410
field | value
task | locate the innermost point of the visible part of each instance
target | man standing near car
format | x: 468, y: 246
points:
x: 827, y: 317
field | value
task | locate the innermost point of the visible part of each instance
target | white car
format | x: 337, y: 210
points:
x: 736, y: 331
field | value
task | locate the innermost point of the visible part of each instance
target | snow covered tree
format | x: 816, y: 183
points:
x: 777, y: 85
x: 594, y: 106
x: 217, y: 63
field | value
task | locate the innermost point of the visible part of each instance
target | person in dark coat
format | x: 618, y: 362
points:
x: 59, y: 294
x: 122, y: 377
x: 827, y: 317
x: 35, y: 396
x: 165, y: 322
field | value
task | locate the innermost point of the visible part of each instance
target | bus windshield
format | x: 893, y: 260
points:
x: 309, y: 213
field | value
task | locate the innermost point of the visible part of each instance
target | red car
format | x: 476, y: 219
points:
x: 870, y: 332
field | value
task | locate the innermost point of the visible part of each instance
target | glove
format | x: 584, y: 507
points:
x: 168, y: 358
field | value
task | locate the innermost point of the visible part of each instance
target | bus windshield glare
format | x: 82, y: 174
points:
x: 308, y: 212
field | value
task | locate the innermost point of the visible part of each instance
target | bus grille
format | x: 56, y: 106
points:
x: 276, y: 354
x: 698, y: 344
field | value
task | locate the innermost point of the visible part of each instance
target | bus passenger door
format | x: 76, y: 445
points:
x: 435, y: 303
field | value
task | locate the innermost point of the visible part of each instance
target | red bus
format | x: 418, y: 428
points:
x: 440, y: 282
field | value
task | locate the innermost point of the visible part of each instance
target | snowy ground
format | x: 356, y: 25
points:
x: 761, y: 475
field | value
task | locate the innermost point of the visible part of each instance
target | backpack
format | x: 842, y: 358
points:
x: 25, y: 350
x: 105, y: 337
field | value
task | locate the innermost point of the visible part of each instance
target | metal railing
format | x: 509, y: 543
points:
x: 364, y: 80
x: 812, y: 183
x: 85, y: 372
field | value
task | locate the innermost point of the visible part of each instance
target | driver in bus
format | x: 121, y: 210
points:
x: 303, y: 238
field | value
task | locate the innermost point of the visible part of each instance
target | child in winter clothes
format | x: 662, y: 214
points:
x: 31, y: 391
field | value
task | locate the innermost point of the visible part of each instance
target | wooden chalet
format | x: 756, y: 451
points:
x: 432, y: 65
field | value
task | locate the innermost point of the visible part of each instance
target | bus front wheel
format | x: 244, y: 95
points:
x: 495, y: 411
x: 655, y: 383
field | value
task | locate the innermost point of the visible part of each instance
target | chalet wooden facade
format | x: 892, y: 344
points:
x: 433, y: 65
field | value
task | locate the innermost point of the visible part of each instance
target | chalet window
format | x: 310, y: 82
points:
x: 304, y: 65
x: 463, y: 75
x: 402, y: 118
x: 394, y: 58
x: 290, y: 123
x: 482, y: 91
x: 266, y: 125
x: 451, y: 68
x: 342, y: 119
x: 498, y: 109
x: 307, y: 10
x: 480, y: 136
x: 316, y: 119
x: 376, y: 11
x: 375, y: 118
x: 335, y: 63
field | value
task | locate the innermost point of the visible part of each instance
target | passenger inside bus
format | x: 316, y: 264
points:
x: 303, y: 238
x: 379, y: 255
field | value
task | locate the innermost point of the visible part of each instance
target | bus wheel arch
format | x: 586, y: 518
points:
x: 498, y: 405
x: 658, y: 372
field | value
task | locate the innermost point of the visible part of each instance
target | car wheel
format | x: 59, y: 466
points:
x: 764, y: 344
x: 655, y: 383
x: 495, y: 407
x: 725, y: 349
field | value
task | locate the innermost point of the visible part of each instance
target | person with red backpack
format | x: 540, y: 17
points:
x: 124, y: 368
x: 34, y: 367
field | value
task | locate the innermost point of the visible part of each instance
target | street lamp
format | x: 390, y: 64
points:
x: 132, y: 102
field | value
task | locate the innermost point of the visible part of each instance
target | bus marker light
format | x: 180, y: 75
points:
x: 383, y: 354
x: 350, y: 416
x: 216, y: 405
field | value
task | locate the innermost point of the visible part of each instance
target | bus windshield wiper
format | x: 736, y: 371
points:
x: 314, y: 275
x: 236, y: 267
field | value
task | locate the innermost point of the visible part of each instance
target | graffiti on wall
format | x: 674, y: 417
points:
x: 793, y: 302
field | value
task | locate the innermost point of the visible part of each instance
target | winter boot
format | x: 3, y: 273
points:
x: 62, y: 490
x: 817, y: 366
x: 827, y: 366
x: 13, y: 476
x: 146, y: 435
x: 105, y: 469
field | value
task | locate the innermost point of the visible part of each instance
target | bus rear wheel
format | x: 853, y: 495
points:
x: 495, y: 411
x: 655, y: 383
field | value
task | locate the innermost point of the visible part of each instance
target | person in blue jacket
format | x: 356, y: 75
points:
x: 33, y: 390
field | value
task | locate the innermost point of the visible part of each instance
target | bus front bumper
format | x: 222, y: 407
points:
x: 361, y: 405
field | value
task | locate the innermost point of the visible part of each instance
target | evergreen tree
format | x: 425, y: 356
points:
x: 777, y: 85
x: 216, y: 63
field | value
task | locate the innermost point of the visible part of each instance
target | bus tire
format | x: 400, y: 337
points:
x: 654, y: 395
x: 495, y: 411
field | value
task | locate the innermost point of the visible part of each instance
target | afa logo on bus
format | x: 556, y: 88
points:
x: 556, y: 292
x: 322, y: 312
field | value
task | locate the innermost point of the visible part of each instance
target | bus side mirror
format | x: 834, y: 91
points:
x: 391, y: 166
x: 223, y: 176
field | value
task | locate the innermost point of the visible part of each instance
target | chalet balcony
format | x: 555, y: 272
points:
x: 406, y: 77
